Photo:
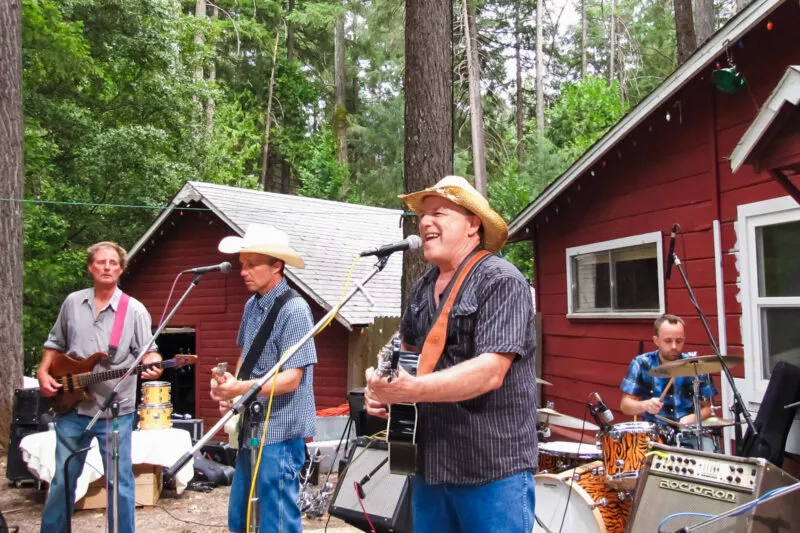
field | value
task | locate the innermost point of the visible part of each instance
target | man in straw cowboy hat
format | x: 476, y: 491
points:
x: 476, y: 433
x: 285, y: 318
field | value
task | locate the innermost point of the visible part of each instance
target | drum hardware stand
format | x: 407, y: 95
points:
x: 108, y: 404
x: 736, y: 510
x: 238, y: 406
x: 738, y: 401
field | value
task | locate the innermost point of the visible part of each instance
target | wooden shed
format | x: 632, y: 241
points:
x: 328, y: 235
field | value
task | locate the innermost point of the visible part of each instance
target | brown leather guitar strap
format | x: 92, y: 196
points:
x: 434, y: 343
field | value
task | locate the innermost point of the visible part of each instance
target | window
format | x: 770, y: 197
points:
x: 769, y: 233
x: 619, y: 278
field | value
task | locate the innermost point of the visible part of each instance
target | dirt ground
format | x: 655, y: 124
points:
x: 191, y: 512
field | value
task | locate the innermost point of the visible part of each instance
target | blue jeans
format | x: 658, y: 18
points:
x: 69, y: 428
x: 504, y: 505
x: 277, y: 487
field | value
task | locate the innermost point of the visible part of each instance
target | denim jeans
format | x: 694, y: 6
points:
x: 277, y: 488
x: 504, y: 505
x: 69, y: 428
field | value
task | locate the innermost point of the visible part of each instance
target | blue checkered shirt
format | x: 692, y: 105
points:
x: 679, y: 400
x: 293, y: 414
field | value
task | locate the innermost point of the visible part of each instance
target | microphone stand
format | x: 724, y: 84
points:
x: 251, y: 393
x: 113, y: 404
x: 738, y: 401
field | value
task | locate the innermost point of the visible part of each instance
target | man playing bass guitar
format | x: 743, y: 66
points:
x: 83, y: 327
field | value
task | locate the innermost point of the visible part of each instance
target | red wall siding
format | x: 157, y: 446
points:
x: 664, y: 172
x: 214, y: 307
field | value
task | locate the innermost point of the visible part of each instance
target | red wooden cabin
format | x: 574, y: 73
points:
x: 600, y: 232
x: 327, y: 234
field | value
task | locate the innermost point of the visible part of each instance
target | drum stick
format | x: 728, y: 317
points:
x: 666, y: 389
x: 668, y: 420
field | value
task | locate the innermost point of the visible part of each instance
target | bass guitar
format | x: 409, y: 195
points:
x: 401, y: 430
x: 75, y: 376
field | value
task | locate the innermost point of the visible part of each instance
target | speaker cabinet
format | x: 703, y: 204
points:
x: 387, y: 496
x: 679, y: 480
x: 29, y: 407
x: 16, y: 469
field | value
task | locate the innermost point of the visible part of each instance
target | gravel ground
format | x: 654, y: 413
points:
x: 191, y: 512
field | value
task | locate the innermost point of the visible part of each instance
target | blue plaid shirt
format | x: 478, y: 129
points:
x: 293, y: 414
x: 679, y: 400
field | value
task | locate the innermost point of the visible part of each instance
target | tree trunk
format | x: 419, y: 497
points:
x: 211, y: 105
x: 340, y: 110
x: 703, y: 20
x: 539, y: 66
x: 290, y: 35
x: 519, y: 114
x: 11, y: 186
x: 200, y: 13
x: 428, y: 143
x: 475, y: 103
x: 684, y: 29
x: 268, y: 117
x: 613, y: 44
x: 583, y: 39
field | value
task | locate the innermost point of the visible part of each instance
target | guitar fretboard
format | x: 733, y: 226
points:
x: 84, y: 380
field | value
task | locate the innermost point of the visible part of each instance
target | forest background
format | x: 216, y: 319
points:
x: 125, y: 100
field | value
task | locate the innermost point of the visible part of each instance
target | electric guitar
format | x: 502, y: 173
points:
x: 75, y: 376
x: 401, y: 430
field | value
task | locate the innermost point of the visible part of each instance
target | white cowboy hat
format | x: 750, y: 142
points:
x: 460, y: 192
x: 265, y: 240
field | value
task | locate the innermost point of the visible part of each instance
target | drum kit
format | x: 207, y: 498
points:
x: 155, y: 411
x: 584, y: 488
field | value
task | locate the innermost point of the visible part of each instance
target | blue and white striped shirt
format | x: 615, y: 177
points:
x: 294, y: 413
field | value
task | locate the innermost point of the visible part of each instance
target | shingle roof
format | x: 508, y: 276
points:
x: 327, y: 234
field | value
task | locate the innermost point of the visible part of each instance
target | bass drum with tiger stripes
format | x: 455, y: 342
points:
x: 579, y: 501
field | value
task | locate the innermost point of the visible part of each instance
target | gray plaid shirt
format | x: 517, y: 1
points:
x: 493, y: 435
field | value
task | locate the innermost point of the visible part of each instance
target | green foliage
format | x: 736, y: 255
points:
x: 320, y: 174
x: 583, y: 113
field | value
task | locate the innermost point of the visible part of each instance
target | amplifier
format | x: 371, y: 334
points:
x: 29, y: 407
x: 16, y: 469
x: 680, y: 480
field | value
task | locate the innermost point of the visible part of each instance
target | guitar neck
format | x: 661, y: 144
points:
x: 90, y: 379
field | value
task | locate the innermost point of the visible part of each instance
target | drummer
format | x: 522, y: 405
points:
x: 642, y: 392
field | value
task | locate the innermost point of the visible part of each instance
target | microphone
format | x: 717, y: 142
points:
x: 222, y: 267
x: 671, y: 253
x: 412, y: 242
x: 602, y: 414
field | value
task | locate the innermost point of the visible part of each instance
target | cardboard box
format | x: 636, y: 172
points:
x: 148, y: 481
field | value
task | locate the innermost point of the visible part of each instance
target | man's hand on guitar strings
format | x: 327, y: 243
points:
x: 402, y: 389
x: 224, y: 388
x: 48, y: 387
x: 151, y: 373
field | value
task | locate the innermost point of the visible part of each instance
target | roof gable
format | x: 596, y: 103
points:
x: 327, y: 234
x: 705, y: 55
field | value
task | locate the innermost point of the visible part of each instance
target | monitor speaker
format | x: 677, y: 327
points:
x: 365, y: 424
x: 675, y: 481
x: 386, y: 496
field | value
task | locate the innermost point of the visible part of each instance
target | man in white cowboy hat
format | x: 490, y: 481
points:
x: 476, y: 434
x: 285, y: 318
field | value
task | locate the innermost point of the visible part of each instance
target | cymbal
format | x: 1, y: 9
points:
x: 565, y: 421
x: 702, y: 364
x: 548, y: 411
x: 540, y: 381
x: 715, y: 422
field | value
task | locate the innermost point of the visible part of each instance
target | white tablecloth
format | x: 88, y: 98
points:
x: 157, y: 446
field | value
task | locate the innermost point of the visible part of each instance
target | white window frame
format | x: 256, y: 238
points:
x: 624, y: 242
x: 751, y: 217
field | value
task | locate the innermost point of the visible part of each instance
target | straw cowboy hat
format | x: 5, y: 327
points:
x: 265, y: 240
x: 460, y: 192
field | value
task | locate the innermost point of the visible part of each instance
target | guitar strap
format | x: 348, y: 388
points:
x: 263, y: 334
x: 434, y: 343
x: 119, y: 323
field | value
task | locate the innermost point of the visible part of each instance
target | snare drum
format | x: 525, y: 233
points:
x: 580, y: 498
x: 557, y: 456
x: 155, y: 392
x: 155, y: 416
x: 624, y: 448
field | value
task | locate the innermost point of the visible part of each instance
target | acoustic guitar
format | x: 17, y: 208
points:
x: 75, y: 376
x: 401, y: 430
